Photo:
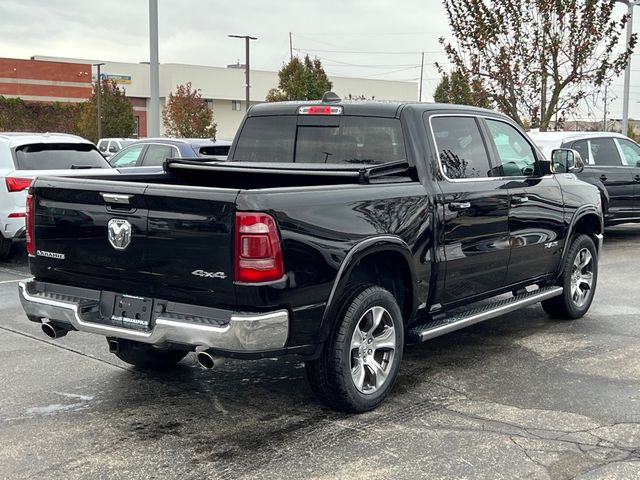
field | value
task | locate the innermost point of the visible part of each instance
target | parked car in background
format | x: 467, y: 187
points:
x: 24, y: 156
x: 152, y: 152
x: 612, y: 163
x: 110, y: 146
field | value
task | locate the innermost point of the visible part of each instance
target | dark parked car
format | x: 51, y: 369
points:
x: 152, y: 152
x: 337, y: 232
x: 612, y: 163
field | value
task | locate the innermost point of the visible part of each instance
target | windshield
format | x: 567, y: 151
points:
x: 358, y: 140
x: 58, y: 156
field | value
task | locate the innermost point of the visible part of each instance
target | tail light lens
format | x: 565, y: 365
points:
x: 30, y: 224
x: 17, y: 184
x: 258, y: 251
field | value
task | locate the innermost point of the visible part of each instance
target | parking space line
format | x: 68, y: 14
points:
x: 11, y: 271
x: 15, y: 281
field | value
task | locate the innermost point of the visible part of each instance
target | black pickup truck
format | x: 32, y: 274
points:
x: 337, y: 232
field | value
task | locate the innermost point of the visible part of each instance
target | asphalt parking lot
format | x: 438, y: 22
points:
x: 520, y: 396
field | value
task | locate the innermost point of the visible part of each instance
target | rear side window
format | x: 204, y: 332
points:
x: 605, y: 153
x: 358, y: 140
x: 214, y: 150
x: 58, y: 156
x: 460, y: 147
x: 157, y: 154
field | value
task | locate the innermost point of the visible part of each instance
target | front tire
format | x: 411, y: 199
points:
x: 147, y: 357
x: 579, y: 278
x: 359, y: 364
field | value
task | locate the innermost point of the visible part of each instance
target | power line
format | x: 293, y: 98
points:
x: 417, y: 52
x: 377, y: 34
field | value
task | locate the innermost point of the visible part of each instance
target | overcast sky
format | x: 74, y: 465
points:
x: 346, y: 35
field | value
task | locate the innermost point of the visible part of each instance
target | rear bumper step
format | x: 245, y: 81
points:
x: 230, y: 331
x: 441, y: 326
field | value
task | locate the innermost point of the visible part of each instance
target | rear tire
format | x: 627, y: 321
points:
x: 578, y: 279
x: 5, y: 247
x: 359, y: 364
x: 145, y: 356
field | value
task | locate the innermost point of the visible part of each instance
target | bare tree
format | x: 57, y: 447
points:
x: 537, y: 58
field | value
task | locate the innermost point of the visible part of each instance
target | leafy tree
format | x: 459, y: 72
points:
x: 18, y: 115
x: 454, y: 88
x: 187, y: 114
x: 300, y: 80
x: 118, y: 119
x: 535, y: 58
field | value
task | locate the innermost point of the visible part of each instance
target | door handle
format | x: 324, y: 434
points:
x: 457, y: 206
x: 519, y: 200
x: 637, y: 178
x: 116, y: 198
x: 603, y: 178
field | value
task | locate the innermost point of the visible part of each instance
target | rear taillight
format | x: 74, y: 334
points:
x: 17, y: 184
x: 30, y: 223
x: 258, y: 251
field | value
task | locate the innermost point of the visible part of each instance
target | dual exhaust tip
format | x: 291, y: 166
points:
x: 54, y: 331
x: 207, y: 360
x: 204, y: 357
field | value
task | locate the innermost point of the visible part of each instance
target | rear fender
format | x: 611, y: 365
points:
x: 369, y: 246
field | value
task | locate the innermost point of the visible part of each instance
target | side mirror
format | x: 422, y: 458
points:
x: 566, y: 160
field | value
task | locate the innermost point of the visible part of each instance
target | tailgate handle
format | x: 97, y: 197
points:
x: 117, y: 198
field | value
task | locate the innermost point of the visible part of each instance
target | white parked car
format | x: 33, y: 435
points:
x: 24, y: 156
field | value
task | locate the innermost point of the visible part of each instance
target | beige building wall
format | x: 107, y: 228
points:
x: 222, y: 85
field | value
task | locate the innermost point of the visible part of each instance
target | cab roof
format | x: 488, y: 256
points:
x: 371, y: 108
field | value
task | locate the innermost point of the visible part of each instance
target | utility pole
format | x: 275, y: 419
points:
x: 153, y: 122
x: 421, y: 74
x: 627, y: 71
x: 604, y: 120
x: 99, y: 99
x: 247, y: 40
x: 290, y: 47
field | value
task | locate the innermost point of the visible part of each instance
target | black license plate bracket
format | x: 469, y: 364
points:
x: 132, y: 312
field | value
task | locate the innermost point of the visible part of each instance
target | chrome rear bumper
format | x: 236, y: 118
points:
x: 236, y: 332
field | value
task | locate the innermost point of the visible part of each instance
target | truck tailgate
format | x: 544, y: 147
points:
x: 72, y: 243
x: 179, y: 248
x: 191, y: 232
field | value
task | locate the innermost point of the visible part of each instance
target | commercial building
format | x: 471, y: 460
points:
x: 67, y: 79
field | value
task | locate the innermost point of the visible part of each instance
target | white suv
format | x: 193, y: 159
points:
x: 24, y: 156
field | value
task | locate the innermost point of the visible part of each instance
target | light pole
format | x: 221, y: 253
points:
x: 153, y: 121
x: 99, y: 100
x: 247, y: 39
x: 627, y: 71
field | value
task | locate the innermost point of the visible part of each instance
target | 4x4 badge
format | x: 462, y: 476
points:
x: 119, y: 232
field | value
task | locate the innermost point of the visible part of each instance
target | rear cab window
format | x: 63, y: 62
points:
x: 344, y: 139
x: 58, y: 156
